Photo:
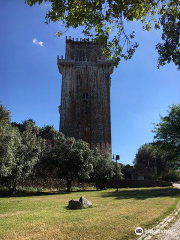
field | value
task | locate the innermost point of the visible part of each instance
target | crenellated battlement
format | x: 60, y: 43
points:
x: 83, y: 50
x: 80, y: 40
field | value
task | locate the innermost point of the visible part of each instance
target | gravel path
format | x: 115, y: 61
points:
x: 171, y: 233
x: 174, y: 231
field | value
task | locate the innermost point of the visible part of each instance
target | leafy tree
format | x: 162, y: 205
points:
x: 145, y: 161
x: 103, y: 169
x: 167, y: 139
x: 9, y: 142
x: 51, y: 139
x: 172, y: 175
x: 48, y: 132
x: 154, y: 162
x: 19, y: 151
x: 167, y: 132
x: 105, y: 20
x: 4, y: 115
x: 70, y: 159
x: 127, y: 171
x: 22, y: 126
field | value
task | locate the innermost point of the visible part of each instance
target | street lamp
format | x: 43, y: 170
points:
x: 117, y: 158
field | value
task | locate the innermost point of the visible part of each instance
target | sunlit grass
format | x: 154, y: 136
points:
x: 113, y: 215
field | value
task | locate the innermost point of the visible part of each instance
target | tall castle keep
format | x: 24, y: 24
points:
x: 85, y: 94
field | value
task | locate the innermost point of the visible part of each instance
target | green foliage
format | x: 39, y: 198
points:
x: 172, y: 175
x: 103, y: 169
x: 119, y: 170
x: 4, y: 115
x: 48, y: 132
x: 146, y: 154
x: 167, y: 141
x: 126, y: 167
x: 70, y: 159
x: 151, y: 158
x: 164, y: 152
x: 169, y: 50
x: 167, y: 133
x: 19, y: 151
x: 105, y: 21
x: 126, y: 171
x: 146, y: 161
x: 9, y: 143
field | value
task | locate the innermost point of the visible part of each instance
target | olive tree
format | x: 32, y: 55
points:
x: 19, y: 151
x: 70, y: 159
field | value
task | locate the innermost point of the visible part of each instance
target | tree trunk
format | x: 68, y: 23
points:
x: 69, y: 185
x: 13, y: 190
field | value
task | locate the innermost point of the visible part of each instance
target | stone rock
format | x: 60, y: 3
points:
x: 82, y: 203
x: 85, y: 203
x: 75, y: 204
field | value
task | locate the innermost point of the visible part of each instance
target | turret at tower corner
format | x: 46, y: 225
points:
x: 85, y: 94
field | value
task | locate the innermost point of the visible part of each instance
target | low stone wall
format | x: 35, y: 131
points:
x: 126, y: 183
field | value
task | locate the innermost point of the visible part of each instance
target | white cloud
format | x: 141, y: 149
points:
x: 36, y: 42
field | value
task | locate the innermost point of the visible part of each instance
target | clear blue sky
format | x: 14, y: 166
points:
x: 30, y: 84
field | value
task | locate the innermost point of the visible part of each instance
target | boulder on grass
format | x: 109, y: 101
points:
x: 82, y: 203
x: 85, y: 203
x: 75, y: 204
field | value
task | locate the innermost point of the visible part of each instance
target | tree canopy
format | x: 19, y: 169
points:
x: 70, y: 159
x: 105, y: 20
x: 167, y: 132
x: 155, y: 162
x: 103, y: 168
x: 19, y: 150
x: 164, y: 152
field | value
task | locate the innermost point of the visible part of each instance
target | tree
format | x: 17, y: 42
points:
x: 105, y: 20
x: 51, y: 138
x: 145, y: 162
x: 9, y: 142
x: 22, y: 126
x: 167, y: 133
x: 167, y: 139
x: 19, y: 151
x: 70, y: 159
x: 127, y: 171
x: 154, y: 162
x: 48, y: 132
x: 103, y: 169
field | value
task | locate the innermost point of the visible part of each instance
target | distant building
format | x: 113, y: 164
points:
x: 145, y: 170
x: 85, y: 93
x: 142, y: 171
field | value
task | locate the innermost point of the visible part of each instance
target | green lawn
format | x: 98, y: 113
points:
x: 113, y: 215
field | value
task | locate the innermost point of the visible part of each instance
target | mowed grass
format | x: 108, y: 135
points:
x: 113, y: 215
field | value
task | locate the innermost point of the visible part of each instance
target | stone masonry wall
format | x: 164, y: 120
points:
x: 85, y: 94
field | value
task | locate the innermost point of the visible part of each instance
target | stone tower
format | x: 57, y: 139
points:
x: 85, y: 93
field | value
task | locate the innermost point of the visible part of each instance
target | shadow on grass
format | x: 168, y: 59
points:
x: 6, y: 194
x: 122, y: 194
x: 142, y: 194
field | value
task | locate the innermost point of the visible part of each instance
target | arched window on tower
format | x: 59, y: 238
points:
x: 85, y: 96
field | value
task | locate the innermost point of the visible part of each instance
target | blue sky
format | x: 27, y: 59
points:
x: 30, y: 84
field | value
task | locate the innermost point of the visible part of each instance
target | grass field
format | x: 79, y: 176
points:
x: 113, y: 215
